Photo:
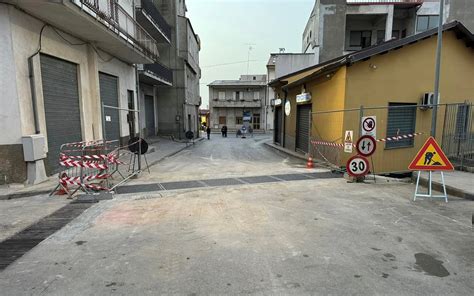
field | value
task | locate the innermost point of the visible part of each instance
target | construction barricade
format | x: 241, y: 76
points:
x: 92, y: 166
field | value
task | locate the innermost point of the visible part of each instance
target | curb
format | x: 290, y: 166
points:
x: 283, y: 150
x: 450, y: 190
x: 38, y: 192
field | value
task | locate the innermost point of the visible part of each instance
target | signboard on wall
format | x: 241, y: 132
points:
x: 303, y: 98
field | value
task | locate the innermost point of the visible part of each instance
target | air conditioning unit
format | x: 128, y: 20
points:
x: 427, y: 101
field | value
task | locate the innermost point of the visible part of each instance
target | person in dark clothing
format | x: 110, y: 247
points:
x: 224, y: 128
x: 208, y: 131
x: 222, y: 131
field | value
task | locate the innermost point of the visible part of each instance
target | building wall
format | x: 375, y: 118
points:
x: 327, y: 94
x: 392, y: 82
x: 21, y: 34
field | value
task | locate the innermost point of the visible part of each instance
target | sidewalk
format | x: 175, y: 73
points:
x: 160, y: 148
x: 458, y: 183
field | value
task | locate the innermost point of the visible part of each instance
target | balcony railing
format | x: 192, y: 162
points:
x: 113, y: 16
x: 384, y: 2
x: 160, y: 71
x: 152, y: 11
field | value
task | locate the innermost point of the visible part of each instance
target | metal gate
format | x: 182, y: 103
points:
x: 277, y: 128
x: 302, y: 127
x: 109, y: 96
x: 61, y: 106
x: 150, y: 115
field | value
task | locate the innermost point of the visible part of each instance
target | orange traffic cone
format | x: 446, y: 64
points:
x: 309, y: 164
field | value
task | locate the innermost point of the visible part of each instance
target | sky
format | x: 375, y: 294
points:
x: 227, y: 27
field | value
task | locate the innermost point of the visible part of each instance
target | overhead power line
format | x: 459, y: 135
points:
x: 226, y: 64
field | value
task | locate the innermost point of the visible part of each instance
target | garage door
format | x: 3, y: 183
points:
x: 150, y: 116
x: 61, y: 106
x: 277, y: 129
x: 302, y: 127
x: 109, y: 96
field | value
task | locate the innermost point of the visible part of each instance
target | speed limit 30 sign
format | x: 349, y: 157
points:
x: 357, y: 166
x: 366, y: 145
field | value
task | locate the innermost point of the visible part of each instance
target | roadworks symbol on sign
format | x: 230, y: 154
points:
x: 431, y: 158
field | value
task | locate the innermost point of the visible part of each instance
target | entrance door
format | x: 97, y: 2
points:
x: 302, y: 127
x: 109, y: 96
x: 150, y: 116
x: 277, y: 125
x: 61, y: 106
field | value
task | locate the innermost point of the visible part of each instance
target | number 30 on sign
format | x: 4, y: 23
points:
x: 357, y: 166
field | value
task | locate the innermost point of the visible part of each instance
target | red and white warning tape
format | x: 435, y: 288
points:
x: 388, y: 139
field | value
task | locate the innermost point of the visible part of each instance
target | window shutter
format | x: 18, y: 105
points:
x: 256, y: 95
x: 235, y: 95
x: 222, y: 96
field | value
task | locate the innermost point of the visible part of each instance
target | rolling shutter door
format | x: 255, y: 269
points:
x: 401, y: 121
x: 277, y: 129
x: 302, y: 127
x: 61, y: 106
x: 150, y: 115
x: 109, y: 96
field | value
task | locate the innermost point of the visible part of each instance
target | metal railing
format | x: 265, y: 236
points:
x: 153, y: 12
x: 395, y: 2
x: 114, y: 17
x: 401, y: 130
x: 160, y: 71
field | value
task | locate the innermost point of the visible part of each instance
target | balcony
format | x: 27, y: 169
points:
x: 103, y: 23
x: 151, y: 19
x: 236, y: 104
x: 155, y: 74
x: 385, y: 2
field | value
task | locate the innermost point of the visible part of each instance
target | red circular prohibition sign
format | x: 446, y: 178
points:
x: 357, y: 166
x: 371, y: 146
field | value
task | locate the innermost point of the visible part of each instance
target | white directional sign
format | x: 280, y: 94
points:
x: 369, y: 126
x: 357, y: 166
x: 348, y: 141
x: 366, y: 145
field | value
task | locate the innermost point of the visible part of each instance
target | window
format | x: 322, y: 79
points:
x: 256, y: 121
x: 426, y: 22
x: 256, y: 96
x: 462, y: 122
x: 222, y: 96
x: 222, y: 120
x: 237, y: 95
x: 380, y: 36
x: 239, y: 120
x: 401, y: 121
x: 360, y: 39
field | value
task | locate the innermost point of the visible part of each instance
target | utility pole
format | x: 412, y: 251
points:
x: 434, y: 111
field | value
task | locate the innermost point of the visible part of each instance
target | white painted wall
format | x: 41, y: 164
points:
x: 9, y: 108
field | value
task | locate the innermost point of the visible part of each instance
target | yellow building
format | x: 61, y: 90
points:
x: 388, y: 81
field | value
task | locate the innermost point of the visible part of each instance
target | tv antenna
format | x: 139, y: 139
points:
x: 248, y: 55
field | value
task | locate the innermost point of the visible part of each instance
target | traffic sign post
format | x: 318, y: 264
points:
x: 357, y: 166
x: 369, y: 126
x: 348, y: 140
x: 366, y: 145
x: 430, y: 158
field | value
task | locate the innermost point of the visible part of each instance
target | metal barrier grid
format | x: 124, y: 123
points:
x: 398, y: 142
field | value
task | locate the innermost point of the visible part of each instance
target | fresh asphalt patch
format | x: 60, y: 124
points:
x: 223, y: 182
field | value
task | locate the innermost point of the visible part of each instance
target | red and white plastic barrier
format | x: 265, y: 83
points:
x: 388, y: 139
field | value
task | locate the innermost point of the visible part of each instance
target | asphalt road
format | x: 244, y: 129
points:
x: 322, y: 236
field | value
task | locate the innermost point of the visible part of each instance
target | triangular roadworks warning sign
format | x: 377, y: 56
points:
x: 431, y: 158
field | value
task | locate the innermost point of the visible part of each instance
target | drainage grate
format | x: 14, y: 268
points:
x: 137, y: 188
x: 323, y: 175
x: 292, y: 177
x: 182, y: 185
x: 22, y: 242
x: 259, y: 179
x: 222, y: 182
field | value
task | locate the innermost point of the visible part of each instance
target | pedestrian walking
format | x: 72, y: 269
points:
x: 208, y: 131
x: 222, y: 131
